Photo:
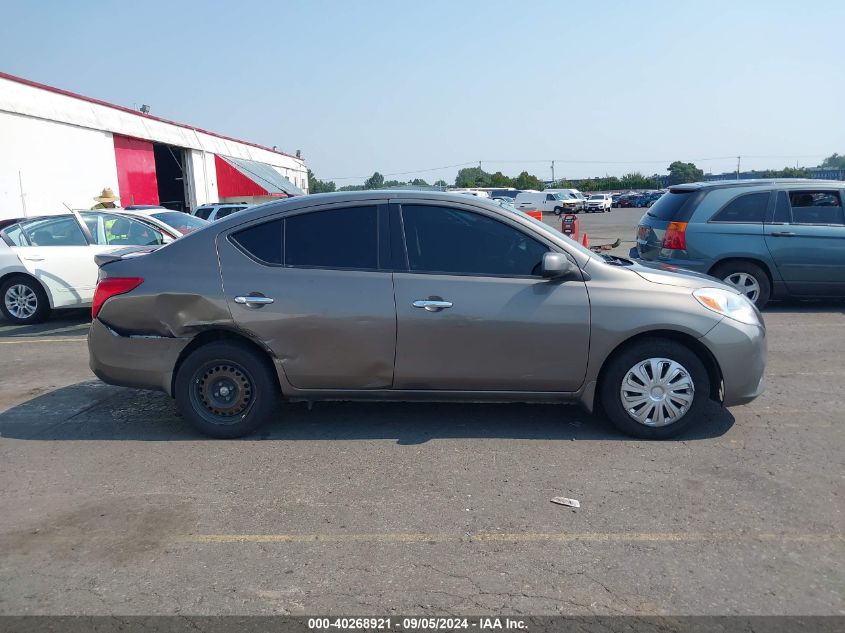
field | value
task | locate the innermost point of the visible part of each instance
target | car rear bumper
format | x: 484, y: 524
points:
x: 697, y: 265
x: 740, y: 351
x: 144, y: 362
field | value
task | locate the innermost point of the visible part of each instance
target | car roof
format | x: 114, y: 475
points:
x: 756, y: 182
x: 340, y: 197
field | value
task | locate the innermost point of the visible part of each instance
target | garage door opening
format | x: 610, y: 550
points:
x: 170, y: 174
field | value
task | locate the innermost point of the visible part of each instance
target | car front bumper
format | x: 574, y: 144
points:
x: 143, y: 362
x: 740, y: 351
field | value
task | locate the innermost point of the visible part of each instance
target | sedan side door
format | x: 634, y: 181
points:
x: 56, y: 251
x: 806, y: 238
x: 473, y: 313
x: 315, y: 287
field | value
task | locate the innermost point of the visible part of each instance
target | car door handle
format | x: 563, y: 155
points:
x: 432, y: 305
x: 783, y: 234
x: 253, y: 301
x: 33, y: 258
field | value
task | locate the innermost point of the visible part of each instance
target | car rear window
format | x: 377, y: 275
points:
x: 204, y: 212
x: 675, y: 206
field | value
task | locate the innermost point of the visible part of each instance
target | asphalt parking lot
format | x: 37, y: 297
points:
x: 110, y: 504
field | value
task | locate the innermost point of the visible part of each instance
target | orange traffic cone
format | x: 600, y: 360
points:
x: 585, y: 241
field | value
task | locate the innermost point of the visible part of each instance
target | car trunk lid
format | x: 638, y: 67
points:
x: 119, y: 254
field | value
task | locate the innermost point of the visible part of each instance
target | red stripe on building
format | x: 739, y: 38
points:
x: 232, y: 183
x: 136, y: 171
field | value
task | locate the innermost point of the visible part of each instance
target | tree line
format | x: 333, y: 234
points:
x: 679, y: 172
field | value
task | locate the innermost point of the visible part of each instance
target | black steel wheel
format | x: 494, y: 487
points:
x: 226, y: 389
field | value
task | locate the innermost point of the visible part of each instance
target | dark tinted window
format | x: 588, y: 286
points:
x: 204, y: 213
x: 673, y: 206
x: 263, y: 241
x: 750, y: 208
x: 340, y: 238
x: 441, y: 239
x: 816, y: 207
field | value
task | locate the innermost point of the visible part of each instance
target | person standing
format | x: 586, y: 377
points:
x: 106, y: 200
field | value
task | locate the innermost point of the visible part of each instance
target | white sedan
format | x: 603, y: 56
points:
x: 48, y: 263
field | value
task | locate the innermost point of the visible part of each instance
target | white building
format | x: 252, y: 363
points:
x: 59, y: 149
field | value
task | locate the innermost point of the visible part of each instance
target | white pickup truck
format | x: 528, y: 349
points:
x: 599, y: 203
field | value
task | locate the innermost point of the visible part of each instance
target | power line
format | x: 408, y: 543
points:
x: 575, y: 162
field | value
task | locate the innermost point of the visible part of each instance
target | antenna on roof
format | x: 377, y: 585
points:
x: 145, y: 109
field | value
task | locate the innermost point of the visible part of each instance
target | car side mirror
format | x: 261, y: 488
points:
x: 557, y: 266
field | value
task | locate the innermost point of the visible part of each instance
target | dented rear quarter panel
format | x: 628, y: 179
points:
x: 181, y: 296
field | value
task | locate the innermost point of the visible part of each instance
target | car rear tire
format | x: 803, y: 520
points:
x: 654, y: 389
x: 24, y: 301
x: 748, y: 278
x: 558, y: 210
x: 226, y: 389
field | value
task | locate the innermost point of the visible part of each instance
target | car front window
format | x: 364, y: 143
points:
x: 117, y: 230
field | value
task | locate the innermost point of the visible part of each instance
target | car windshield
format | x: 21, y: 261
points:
x: 596, y: 197
x: 182, y: 222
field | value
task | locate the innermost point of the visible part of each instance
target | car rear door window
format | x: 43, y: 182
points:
x: 62, y: 231
x: 454, y: 241
x: 748, y: 208
x: 336, y: 238
x: 263, y: 241
x: 816, y: 207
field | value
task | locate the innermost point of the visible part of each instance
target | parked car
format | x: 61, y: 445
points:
x: 212, y: 212
x: 464, y: 301
x: 543, y: 201
x: 627, y: 200
x: 167, y: 220
x: 768, y: 238
x: 48, y: 263
x: 598, y: 203
x: 614, y: 199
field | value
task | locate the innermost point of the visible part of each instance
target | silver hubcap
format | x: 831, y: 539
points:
x: 746, y: 284
x: 657, y: 392
x: 21, y: 301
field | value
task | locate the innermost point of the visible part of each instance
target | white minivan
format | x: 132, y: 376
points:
x: 547, y: 202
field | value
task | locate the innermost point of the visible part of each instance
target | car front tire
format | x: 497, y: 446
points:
x: 226, y: 389
x: 654, y: 389
x: 747, y: 277
x: 24, y: 301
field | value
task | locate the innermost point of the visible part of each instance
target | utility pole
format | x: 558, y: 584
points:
x: 738, y: 161
x: 553, y: 174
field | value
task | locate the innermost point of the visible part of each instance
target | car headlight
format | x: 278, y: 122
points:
x: 735, y: 306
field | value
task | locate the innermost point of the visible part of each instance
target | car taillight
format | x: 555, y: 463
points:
x: 110, y: 287
x: 676, y: 236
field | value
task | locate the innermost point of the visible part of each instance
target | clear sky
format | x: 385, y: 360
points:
x: 603, y: 87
